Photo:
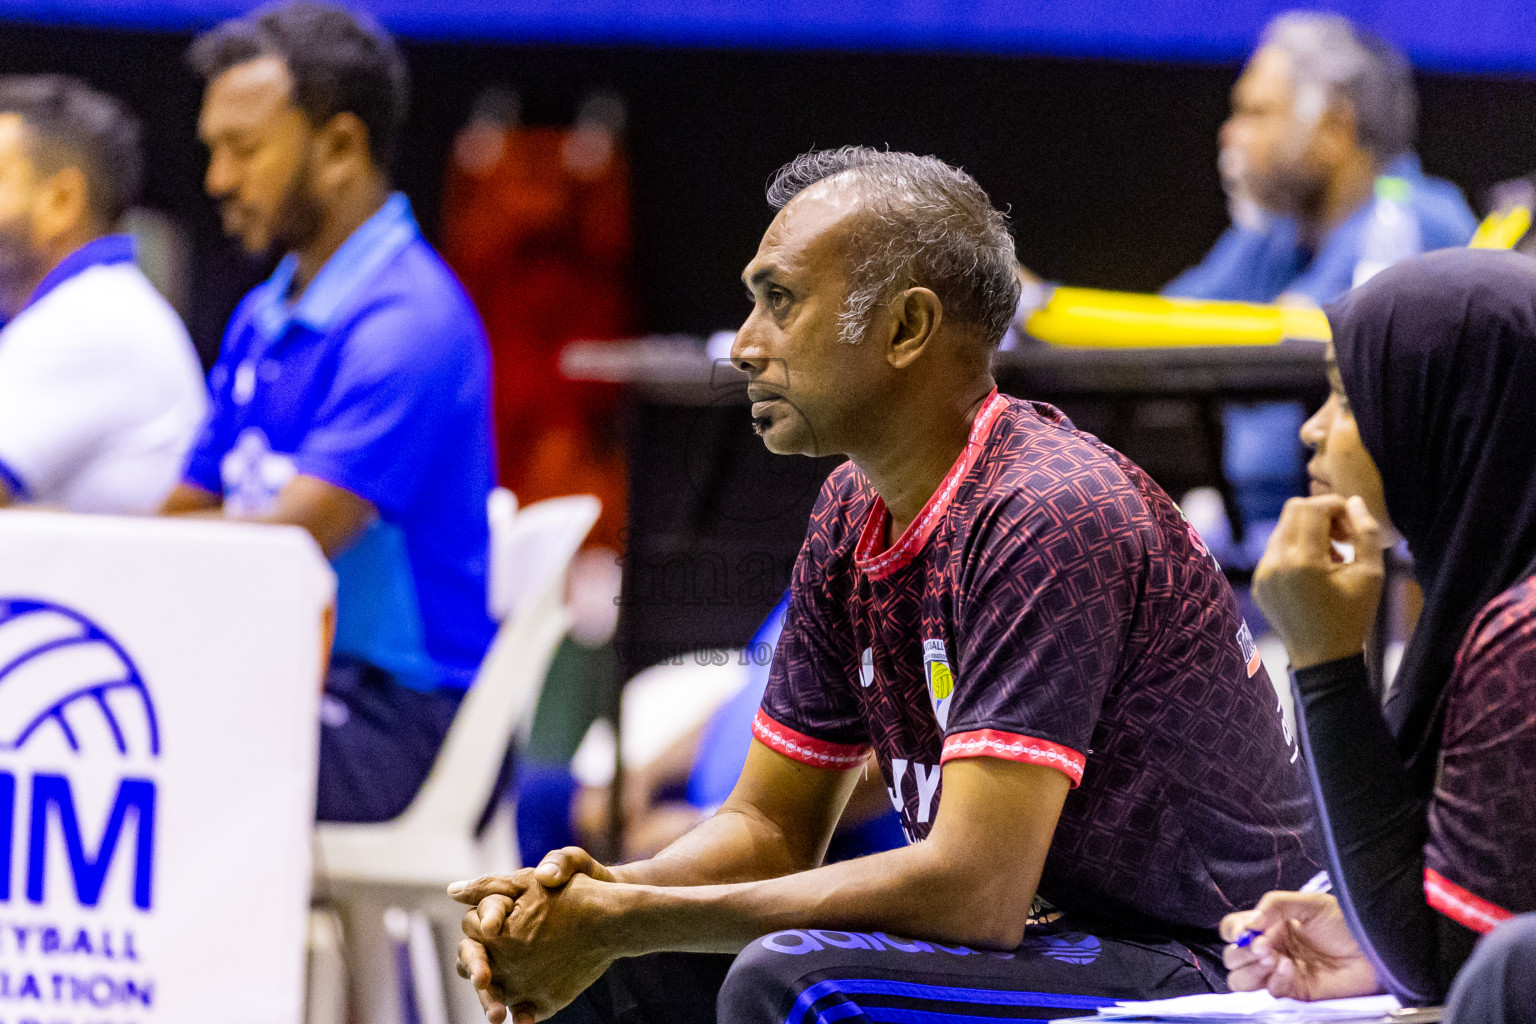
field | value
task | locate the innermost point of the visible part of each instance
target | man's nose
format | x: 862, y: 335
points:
x: 219, y: 181
x: 748, y: 353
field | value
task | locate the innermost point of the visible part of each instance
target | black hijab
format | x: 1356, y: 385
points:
x: 1438, y: 357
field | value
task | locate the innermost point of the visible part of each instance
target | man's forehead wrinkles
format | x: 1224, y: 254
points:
x: 769, y: 260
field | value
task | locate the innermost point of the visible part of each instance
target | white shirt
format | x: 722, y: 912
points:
x: 101, y: 394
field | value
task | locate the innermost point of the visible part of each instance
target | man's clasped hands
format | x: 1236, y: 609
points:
x: 534, y: 940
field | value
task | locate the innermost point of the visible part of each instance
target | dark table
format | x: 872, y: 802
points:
x: 674, y: 369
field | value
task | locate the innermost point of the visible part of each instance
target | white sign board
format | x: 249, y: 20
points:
x: 159, y: 696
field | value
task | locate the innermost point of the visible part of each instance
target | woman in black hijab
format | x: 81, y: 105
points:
x: 1428, y: 802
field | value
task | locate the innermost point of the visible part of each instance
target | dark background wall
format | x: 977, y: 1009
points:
x: 1108, y: 167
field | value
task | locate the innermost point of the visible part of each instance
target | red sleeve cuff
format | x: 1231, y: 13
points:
x: 807, y: 749
x: 1461, y: 906
x: 1013, y: 747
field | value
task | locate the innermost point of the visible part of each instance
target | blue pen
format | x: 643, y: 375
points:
x: 1319, y: 882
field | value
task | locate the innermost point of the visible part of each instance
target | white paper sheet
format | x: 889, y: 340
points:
x: 1251, y: 1006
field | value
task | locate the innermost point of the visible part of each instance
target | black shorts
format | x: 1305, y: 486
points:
x: 816, y: 976
x: 378, y: 742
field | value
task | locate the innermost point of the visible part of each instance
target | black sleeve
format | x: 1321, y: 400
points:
x: 1374, y: 830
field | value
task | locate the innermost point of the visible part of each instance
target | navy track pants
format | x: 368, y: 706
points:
x: 816, y: 976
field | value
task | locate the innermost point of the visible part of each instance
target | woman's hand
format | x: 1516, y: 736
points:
x: 1321, y: 606
x: 1303, y: 949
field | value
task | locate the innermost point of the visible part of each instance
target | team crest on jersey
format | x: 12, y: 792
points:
x: 941, y: 681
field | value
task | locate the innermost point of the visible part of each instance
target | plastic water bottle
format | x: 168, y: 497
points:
x: 1393, y: 231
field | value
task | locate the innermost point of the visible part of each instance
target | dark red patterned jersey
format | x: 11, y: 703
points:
x: 1482, y: 820
x: 1050, y: 605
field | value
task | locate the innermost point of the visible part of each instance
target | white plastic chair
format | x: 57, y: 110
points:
x: 370, y: 869
x: 660, y: 706
x: 501, y: 571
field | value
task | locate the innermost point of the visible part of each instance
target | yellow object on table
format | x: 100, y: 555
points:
x: 1093, y: 318
x: 1502, y: 229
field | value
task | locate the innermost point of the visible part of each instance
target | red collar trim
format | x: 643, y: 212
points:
x: 876, y: 564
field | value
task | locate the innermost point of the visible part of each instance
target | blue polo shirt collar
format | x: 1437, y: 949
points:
x: 365, y: 252
x: 99, y: 252
x: 1404, y: 165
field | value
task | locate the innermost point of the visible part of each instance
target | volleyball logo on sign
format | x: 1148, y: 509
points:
x: 70, y: 694
x: 61, y: 673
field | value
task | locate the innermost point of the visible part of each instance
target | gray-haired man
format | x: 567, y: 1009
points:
x: 1322, y: 111
x: 1051, y: 671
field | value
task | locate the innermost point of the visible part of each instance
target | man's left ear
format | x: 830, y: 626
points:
x: 915, y: 315
x: 1337, y: 130
x: 63, y: 203
x: 343, y: 145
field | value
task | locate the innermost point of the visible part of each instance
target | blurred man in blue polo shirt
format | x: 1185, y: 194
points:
x: 351, y: 396
x: 1324, y: 190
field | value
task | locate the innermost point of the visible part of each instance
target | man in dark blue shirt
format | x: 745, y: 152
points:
x: 351, y: 395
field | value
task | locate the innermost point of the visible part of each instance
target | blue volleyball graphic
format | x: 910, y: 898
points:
x: 62, y: 675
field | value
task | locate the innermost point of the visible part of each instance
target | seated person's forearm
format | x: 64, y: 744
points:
x: 1377, y: 825
x: 334, y: 516
x: 759, y: 832
x: 733, y: 845
x: 189, y: 499
x: 912, y: 891
x: 970, y: 882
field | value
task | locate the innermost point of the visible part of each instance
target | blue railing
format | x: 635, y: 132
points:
x: 1459, y: 35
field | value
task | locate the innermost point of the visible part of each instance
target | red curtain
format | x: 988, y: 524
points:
x: 536, y: 223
